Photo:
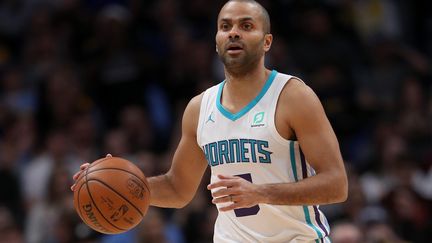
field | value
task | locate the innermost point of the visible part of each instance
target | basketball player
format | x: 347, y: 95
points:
x: 272, y: 151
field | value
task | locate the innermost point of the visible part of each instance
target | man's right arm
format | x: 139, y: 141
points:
x: 177, y: 187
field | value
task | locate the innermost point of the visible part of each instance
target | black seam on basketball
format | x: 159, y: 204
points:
x: 124, y: 198
x: 91, y: 165
x: 91, y: 198
x: 79, y: 179
x: 99, y: 162
x: 145, y: 184
x: 79, y: 207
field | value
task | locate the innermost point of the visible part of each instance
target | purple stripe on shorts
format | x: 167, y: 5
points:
x: 303, y: 164
x: 318, y: 219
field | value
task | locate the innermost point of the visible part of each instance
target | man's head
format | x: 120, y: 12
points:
x: 265, y: 18
x: 243, y: 35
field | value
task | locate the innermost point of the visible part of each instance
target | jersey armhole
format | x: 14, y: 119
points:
x: 285, y: 79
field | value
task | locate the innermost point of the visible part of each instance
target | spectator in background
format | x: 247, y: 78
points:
x: 9, y: 229
x: 16, y: 95
x: 373, y: 18
x: 413, y: 122
x: 46, y: 221
x: 409, y: 214
x: 137, y: 127
x: 62, y: 99
x: 36, y: 174
x: 381, y: 233
x: 116, y: 141
x: 11, y: 206
x: 345, y: 232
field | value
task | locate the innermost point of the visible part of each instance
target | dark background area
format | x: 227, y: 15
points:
x: 79, y: 79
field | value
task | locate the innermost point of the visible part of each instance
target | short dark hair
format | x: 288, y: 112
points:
x: 264, y: 13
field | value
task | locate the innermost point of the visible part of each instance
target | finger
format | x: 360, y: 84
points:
x: 108, y: 156
x: 225, y: 177
x: 229, y: 207
x: 73, y: 187
x: 76, y: 175
x: 221, y: 200
x: 84, y: 166
x: 221, y: 183
x: 221, y: 192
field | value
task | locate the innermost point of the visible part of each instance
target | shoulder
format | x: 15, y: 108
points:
x: 295, y: 89
x: 296, y: 94
x: 191, y: 113
x: 193, y: 107
x: 299, y: 102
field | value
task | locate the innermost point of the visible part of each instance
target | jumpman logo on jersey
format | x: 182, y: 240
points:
x: 210, y: 118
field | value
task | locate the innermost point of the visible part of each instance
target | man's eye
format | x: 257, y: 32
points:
x: 224, y: 26
x: 247, y: 26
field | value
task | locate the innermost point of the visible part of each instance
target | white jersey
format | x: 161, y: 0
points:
x: 247, y: 144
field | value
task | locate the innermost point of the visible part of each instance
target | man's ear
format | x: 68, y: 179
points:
x: 268, y: 40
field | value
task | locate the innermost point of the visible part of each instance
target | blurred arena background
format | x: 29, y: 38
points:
x: 82, y: 78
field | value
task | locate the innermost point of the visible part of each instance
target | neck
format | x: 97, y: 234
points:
x: 246, y: 75
x: 241, y: 88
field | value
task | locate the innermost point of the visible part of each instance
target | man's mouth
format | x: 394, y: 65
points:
x: 234, y: 48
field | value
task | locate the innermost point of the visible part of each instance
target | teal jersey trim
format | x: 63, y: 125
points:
x: 305, y: 208
x: 249, y: 106
x: 309, y: 222
x: 293, y: 160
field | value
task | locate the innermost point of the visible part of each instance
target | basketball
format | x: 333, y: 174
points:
x: 112, y: 195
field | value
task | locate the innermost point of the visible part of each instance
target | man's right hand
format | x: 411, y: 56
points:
x: 83, y: 167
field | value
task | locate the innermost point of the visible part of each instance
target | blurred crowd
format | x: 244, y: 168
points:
x: 82, y: 78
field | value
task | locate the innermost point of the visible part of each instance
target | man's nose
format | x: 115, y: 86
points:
x: 234, y: 33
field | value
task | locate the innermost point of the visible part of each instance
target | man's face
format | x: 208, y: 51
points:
x: 240, y: 39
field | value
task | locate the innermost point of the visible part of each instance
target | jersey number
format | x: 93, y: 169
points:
x: 241, y: 212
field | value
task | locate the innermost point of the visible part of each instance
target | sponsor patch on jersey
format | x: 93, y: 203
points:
x: 259, y: 119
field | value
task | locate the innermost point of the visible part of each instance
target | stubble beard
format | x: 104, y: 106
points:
x: 243, y: 63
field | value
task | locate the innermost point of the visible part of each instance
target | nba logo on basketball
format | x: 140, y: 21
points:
x: 136, y: 188
x: 118, y: 214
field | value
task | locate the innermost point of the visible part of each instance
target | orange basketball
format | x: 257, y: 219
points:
x: 112, y: 195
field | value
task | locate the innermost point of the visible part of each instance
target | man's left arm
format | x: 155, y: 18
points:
x: 306, y: 117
